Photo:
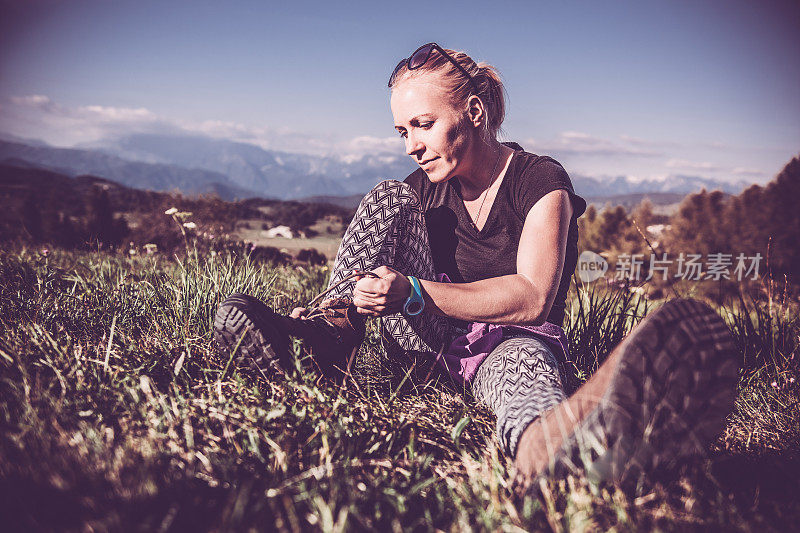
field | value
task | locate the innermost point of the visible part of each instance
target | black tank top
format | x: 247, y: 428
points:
x: 466, y: 254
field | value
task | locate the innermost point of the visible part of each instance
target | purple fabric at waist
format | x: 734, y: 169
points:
x: 466, y: 353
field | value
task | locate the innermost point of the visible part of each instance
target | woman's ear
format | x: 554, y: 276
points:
x: 476, y: 111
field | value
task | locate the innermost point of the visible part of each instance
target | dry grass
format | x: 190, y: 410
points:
x: 118, y: 414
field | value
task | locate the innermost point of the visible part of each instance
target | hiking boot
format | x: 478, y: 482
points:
x: 332, y: 333
x: 659, y: 399
x: 246, y: 327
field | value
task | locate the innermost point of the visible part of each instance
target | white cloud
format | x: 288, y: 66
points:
x: 348, y: 150
x: 228, y: 129
x: 375, y: 145
x: 38, y: 102
x: 683, y: 164
x: 95, y: 113
x: 636, y: 178
x: 749, y: 172
x: 263, y: 137
x: 577, y: 143
x: 656, y: 145
x: 118, y: 114
x: 31, y: 100
x: 38, y: 116
x: 579, y: 135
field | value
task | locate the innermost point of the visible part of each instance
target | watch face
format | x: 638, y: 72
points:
x: 413, y: 307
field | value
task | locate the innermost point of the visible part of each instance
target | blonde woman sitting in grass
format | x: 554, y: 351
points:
x: 468, y: 262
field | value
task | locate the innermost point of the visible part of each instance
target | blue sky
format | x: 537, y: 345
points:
x: 646, y: 89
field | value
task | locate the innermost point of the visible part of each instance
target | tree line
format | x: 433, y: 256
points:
x: 762, y: 221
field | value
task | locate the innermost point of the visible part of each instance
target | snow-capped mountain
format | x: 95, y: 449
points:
x: 193, y: 164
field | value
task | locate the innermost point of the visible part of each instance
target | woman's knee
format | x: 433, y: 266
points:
x: 515, y: 349
x: 523, y: 356
x: 393, y: 192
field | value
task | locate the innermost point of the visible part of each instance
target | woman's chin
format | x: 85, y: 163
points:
x: 435, y: 176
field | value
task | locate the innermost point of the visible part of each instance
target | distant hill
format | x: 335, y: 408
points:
x: 152, y: 176
x: 28, y: 193
x: 621, y: 186
x: 266, y: 172
x: 61, y: 192
x: 21, y: 181
x: 293, y: 175
x: 667, y: 200
x: 664, y: 203
x: 194, y: 164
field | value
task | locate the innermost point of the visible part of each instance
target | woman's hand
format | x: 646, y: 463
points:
x: 384, y: 295
x: 298, y: 312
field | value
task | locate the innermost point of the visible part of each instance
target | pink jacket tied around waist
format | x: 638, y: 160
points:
x: 466, y: 353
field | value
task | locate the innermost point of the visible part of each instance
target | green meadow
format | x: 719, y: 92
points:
x: 118, y: 413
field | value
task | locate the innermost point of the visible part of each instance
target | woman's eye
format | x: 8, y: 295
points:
x: 425, y: 125
x: 402, y: 134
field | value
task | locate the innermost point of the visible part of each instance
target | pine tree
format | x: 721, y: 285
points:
x: 782, y: 197
x: 643, y: 214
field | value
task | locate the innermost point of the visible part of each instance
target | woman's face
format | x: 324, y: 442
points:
x: 438, y: 135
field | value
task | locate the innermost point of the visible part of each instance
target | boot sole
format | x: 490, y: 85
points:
x: 245, y: 327
x: 673, y: 388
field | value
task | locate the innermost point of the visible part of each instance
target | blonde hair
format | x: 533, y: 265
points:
x: 487, y: 84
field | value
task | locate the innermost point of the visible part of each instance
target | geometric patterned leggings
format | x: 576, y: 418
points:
x: 518, y: 381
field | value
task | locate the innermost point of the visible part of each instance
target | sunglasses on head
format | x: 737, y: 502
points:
x: 421, y: 55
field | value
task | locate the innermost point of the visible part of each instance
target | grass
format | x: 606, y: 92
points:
x: 117, y: 413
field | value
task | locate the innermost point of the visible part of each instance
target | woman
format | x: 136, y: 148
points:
x: 468, y: 261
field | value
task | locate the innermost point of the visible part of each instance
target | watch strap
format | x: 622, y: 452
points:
x: 415, y: 302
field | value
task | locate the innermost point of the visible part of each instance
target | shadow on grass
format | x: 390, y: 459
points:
x: 183, y: 505
x: 755, y: 481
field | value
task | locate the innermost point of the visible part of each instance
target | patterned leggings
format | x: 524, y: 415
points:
x: 518, y: 381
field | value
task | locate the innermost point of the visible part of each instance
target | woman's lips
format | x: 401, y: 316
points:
x: 423, y: 163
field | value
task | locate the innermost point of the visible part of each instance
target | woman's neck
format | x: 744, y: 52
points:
x: 487, y: 162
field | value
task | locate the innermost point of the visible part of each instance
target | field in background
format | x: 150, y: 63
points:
x: 326, y: 237
x: 118, y: 413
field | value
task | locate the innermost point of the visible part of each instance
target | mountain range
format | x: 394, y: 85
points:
x: 194, y: 164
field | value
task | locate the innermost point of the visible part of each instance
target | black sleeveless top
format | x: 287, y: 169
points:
x: 466, y: 254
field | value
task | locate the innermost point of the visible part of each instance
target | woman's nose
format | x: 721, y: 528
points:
x: 413, y: 145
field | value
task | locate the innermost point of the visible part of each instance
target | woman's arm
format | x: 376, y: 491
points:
x: 522, y: 298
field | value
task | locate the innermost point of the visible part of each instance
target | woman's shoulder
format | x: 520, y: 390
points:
x: 541, y: 166
x: 536, y: 175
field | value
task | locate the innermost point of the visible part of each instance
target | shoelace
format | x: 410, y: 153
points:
x: 315, y: 311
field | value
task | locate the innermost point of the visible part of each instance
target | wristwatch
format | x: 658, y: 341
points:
x: 415, y: 302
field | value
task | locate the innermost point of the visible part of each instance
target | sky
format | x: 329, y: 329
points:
x: 642, y: 89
